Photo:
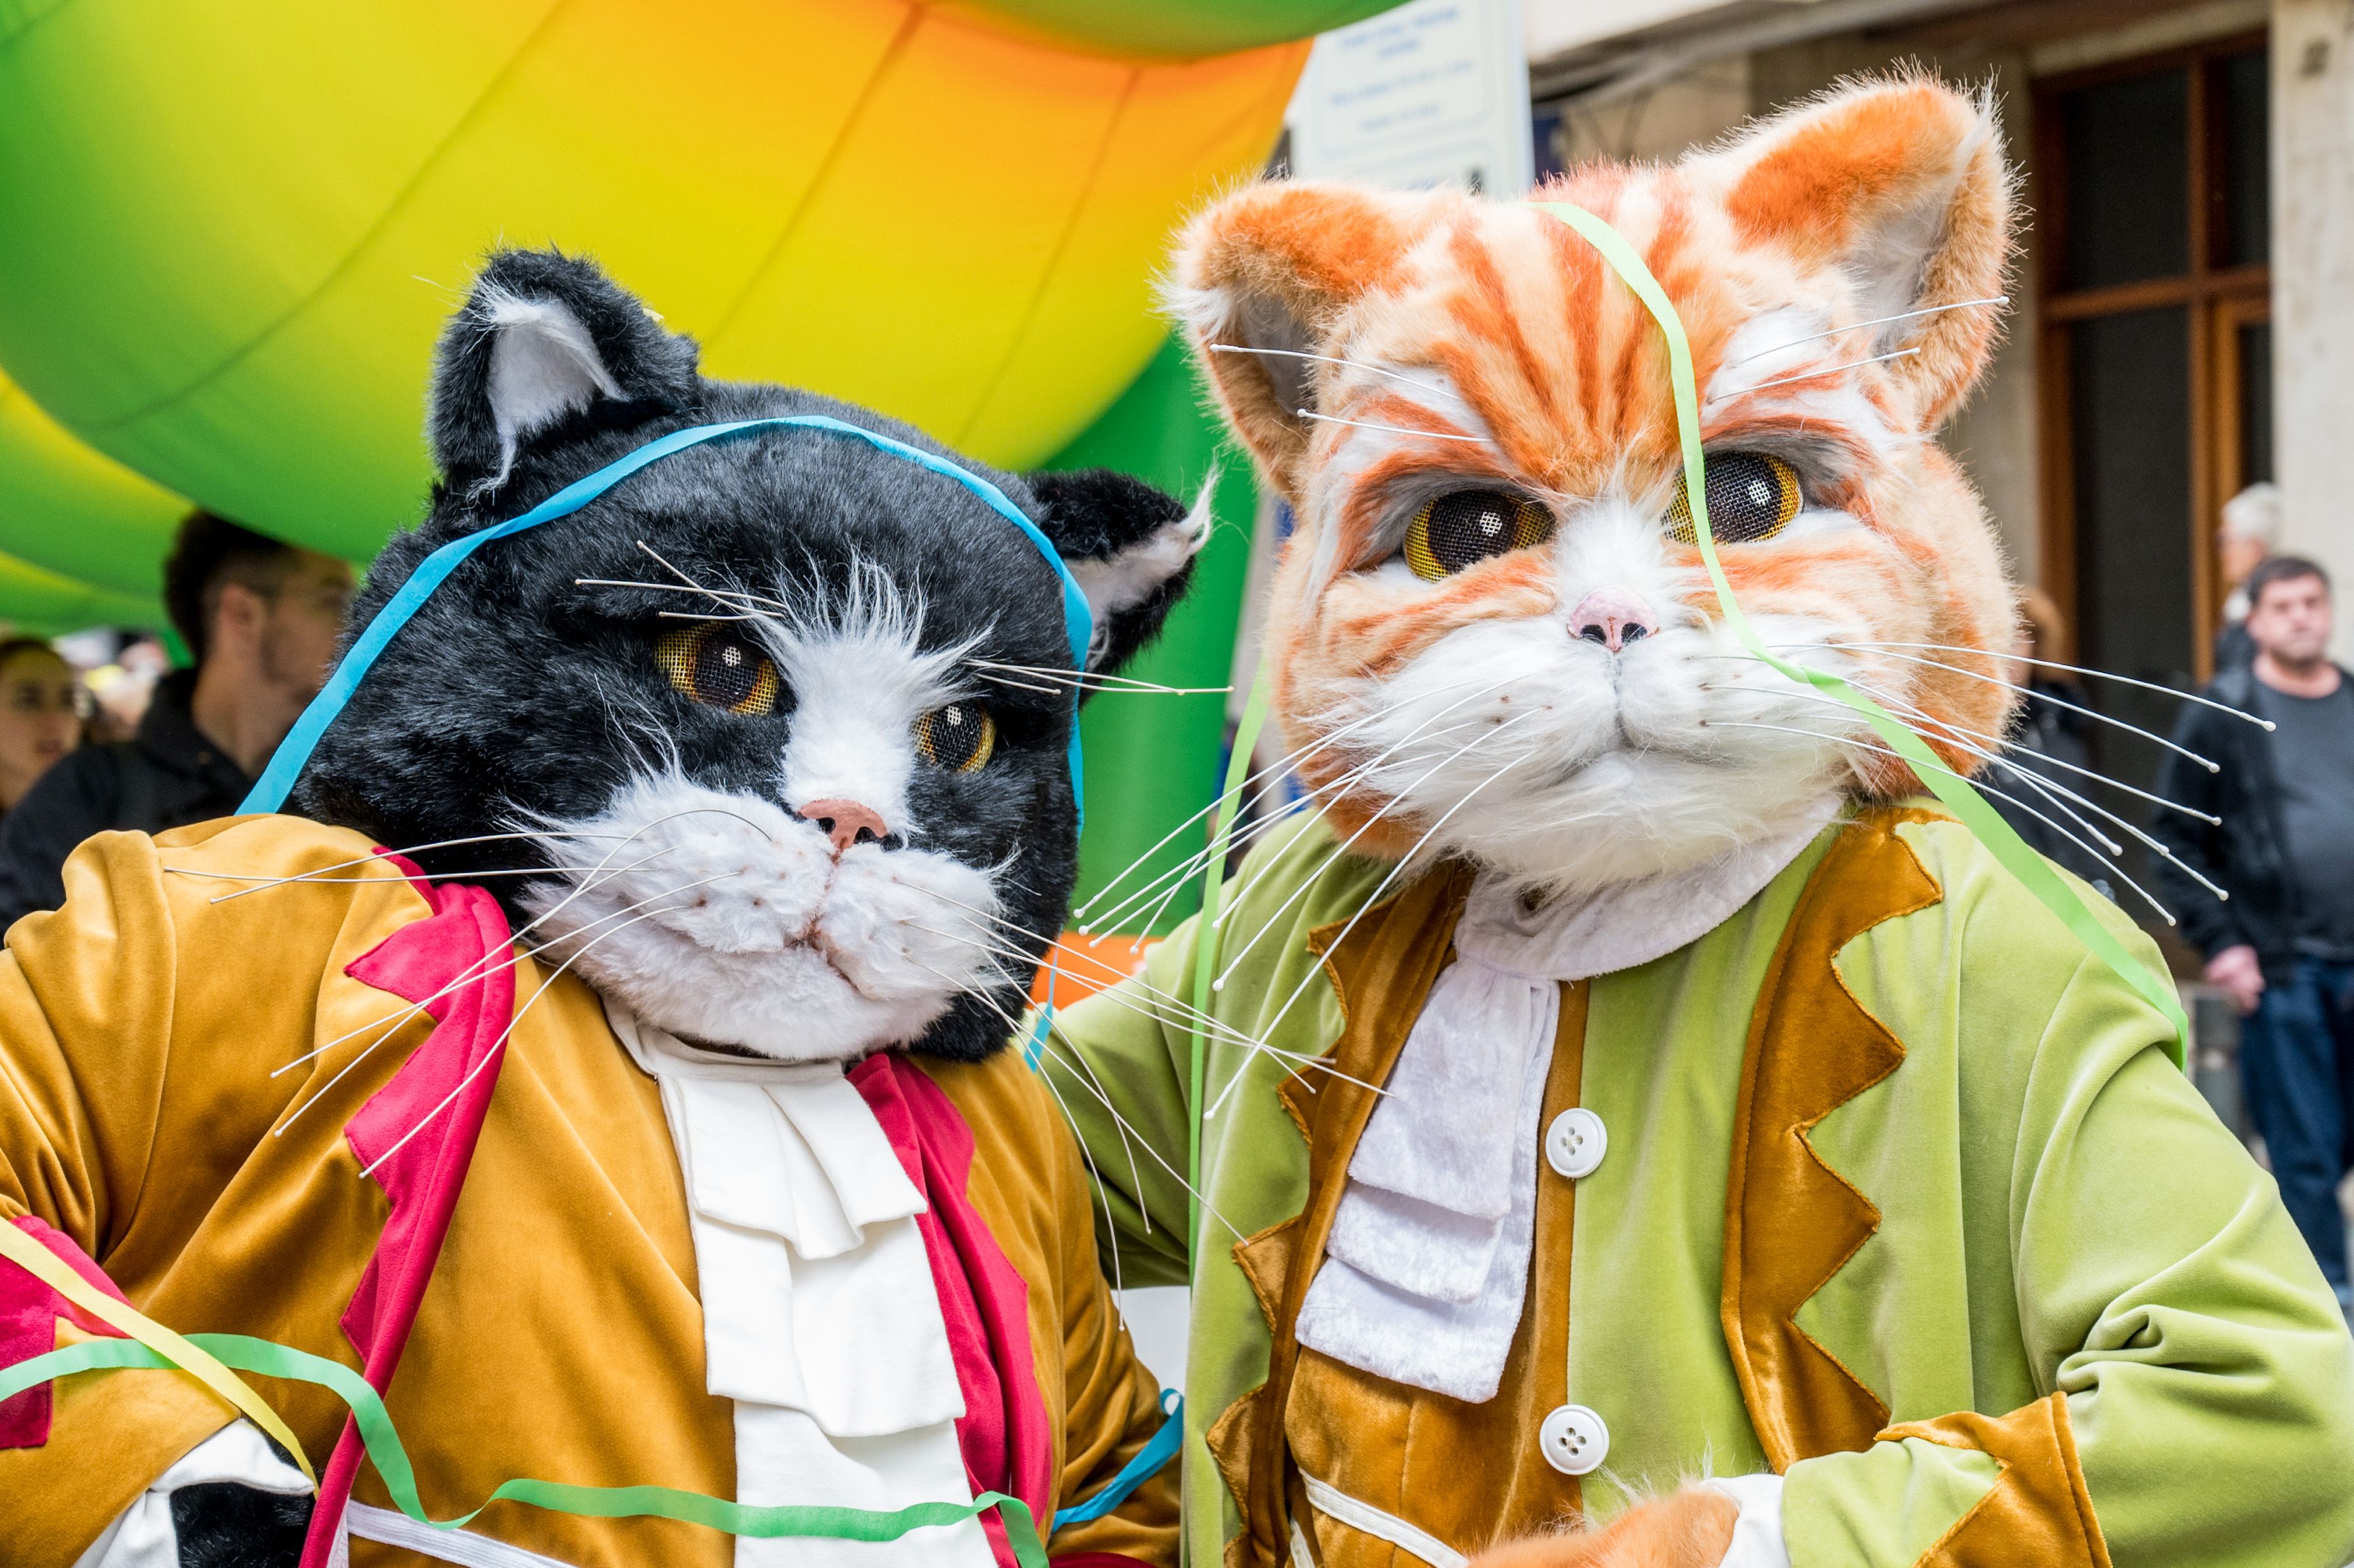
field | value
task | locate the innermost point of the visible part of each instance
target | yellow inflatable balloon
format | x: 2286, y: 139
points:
x: 67, y: 510
x: 228, y: 234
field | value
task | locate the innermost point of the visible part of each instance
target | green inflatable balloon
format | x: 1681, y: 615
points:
x: 229, y: 233
x: 70, y: 513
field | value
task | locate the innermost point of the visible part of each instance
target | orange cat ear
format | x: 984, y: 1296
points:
x: 1902, y: 185
x: 1275, y: 267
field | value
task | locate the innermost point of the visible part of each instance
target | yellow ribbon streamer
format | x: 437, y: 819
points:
x: 53, y: 1271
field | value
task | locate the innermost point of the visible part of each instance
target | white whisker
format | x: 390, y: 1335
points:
x: 1340, y: 787
x: 1876, y: 321
x: 371, y: 859
x: 2028, y: 692
x: 2158, y: 687
x: 473, y: 974
x: 1306, y: 884
x: 589, y: 882
x: 1128, y: 1148
x: 2047, y: 787
x: 1811, y: 374
x: 1046, y: 1039
x: 1372, y: 898
x: 498, y: 1045
x: 1273, y: 769
x: 2051, y: 790
x: 2163, y: 912
x: 1391, y: 430
x: 720, y: 596
x: 1397, y: 376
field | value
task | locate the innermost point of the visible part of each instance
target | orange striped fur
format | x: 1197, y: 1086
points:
x: 1464, y: 317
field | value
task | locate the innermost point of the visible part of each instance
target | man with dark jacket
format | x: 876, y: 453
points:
x: 261, y: 618
x: 2282, y: 947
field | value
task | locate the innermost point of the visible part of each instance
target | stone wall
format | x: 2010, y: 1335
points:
x: 2313, y: 287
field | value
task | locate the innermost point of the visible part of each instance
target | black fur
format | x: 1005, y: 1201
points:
x: 515, y: 691
x: 1097, y: 513
x: 654, y: 369
x: 220, y: 1524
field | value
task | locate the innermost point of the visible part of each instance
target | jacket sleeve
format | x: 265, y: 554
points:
x: 1112, y: 1402
x: 1121, y: 1068
x: 86, y: 1010
x: 69, y: 804
x: 2209, y: 924
x: 2197, y: 1378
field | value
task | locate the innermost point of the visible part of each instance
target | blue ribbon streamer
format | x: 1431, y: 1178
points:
x: 286, y: 764
x: 1149, y: 1462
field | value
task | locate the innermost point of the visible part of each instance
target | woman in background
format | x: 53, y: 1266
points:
x: 40, y: 720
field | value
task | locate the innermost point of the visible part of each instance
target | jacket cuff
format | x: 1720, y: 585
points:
x: 1757, y: 1534
x: 142, y: 1535
x: 101, y: 1436
x: 2038, y: 1511
x: 1962, y: 1489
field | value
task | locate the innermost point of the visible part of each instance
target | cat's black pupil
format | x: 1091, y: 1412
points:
x: 1470, y: 526
x: 1745, y: 498
x: 726, y: 672
x: 955, y: 735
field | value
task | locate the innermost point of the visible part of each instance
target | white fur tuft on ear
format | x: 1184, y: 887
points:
x: 1122, y: 581
x: 542, y: 367
x: 1890, y: 257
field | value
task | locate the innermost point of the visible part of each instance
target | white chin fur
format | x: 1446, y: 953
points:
x: 724, y: 919
x: 1584, y: 769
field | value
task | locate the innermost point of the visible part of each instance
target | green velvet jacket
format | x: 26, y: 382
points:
x: 1905, y: 1200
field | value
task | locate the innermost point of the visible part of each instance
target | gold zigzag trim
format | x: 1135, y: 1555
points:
x: 1790, y: 1221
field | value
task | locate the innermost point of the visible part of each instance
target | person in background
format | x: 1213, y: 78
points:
x: 2049, y: 741
x: 123, y: 688
x: 261, y: 618
x: 2251, y: 529
x: 2282, y: 947
x: 40, y: 715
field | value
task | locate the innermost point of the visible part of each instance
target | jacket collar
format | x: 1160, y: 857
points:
x: 168, y: 733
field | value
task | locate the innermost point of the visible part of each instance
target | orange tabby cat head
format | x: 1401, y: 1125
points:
x: 1491, y: 628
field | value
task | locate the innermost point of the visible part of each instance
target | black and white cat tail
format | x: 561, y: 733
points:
x: 1130, y: 547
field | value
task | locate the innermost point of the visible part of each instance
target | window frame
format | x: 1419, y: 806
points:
x: 2219, y: 299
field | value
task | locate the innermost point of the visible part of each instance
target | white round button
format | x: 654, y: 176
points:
x: 1574, y: 1439
x: 1576, y: 1142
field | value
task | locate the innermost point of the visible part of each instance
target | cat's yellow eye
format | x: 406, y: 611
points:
x: 1467, y: 526
x: 717, y: 665
x: 1751, y: 496
x: 959, y: 737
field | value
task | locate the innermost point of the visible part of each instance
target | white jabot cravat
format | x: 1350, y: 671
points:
x: 1428, y: 1264
x: 820, y: 1317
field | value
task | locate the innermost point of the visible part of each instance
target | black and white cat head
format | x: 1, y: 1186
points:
x: 758, y: 705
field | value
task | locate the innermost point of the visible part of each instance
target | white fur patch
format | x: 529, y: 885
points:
x: 1560, y: 763
x: 725, y: 921
x: 542, y: 367
x: 860, y: 679
x: 1127, y: 579
x: 1357, y: 448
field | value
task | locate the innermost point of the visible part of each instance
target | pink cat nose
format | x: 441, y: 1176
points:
x: 1614, y: 618
x: 845, y: 822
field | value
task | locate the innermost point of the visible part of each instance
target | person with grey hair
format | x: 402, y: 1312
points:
x: 2251, y: 531
x: 2276, y: 826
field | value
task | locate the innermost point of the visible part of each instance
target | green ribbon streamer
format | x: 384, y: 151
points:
x: 2033, y: 871
x: 1205, y: 943
x: 391, y: 1459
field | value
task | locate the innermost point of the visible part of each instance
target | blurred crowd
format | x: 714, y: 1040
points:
x: 99, y: 731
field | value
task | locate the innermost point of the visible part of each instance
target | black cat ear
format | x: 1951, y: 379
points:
x: 544, y: 335
x: 1130, y: 547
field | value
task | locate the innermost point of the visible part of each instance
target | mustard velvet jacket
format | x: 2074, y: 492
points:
x: 143, y: 1028
x: 1903, y: 1198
